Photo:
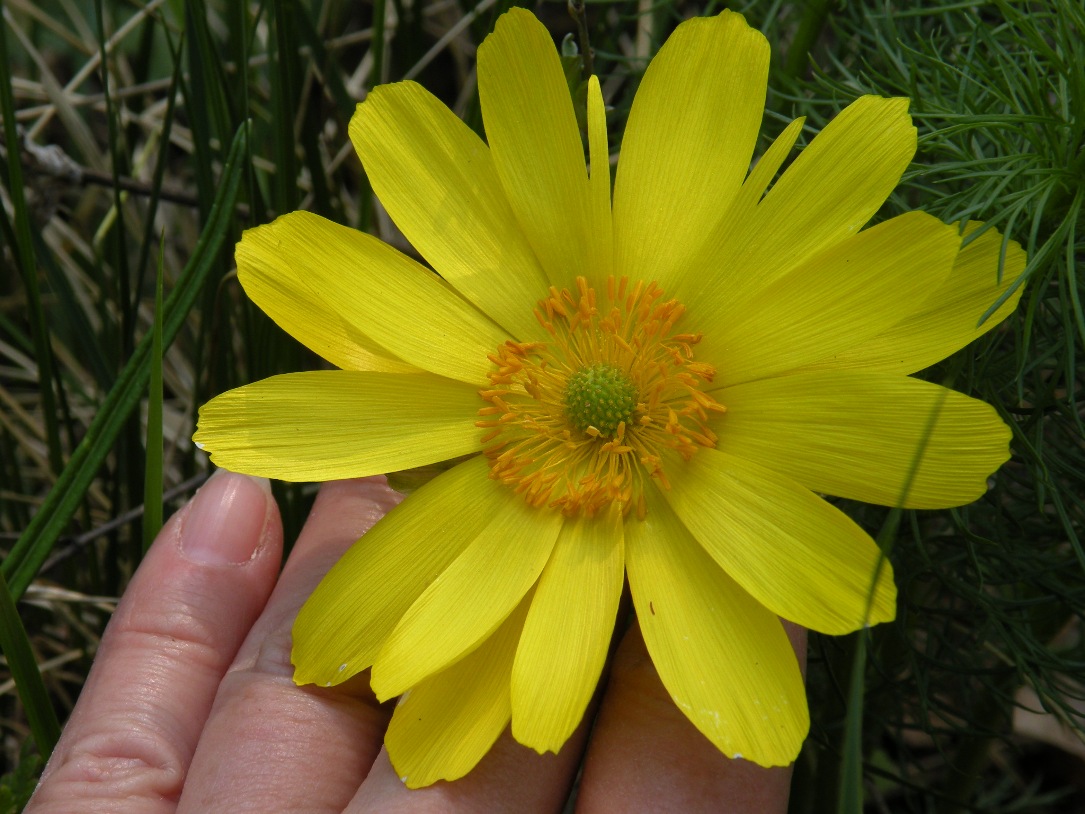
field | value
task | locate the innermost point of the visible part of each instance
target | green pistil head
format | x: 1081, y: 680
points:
x: 600, y: 396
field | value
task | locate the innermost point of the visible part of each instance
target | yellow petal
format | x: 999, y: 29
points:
x: 568, y: 630
x: 830, y: 191
x: 331, y: 424
x: 470, y: 598
x: 753, y: 188
x: 398, y: 303
x: 343, y: 624
x: 794, y: 553
x: 281, y: 293
x: 443, y: 727
x: 536, y: 146
x: 688, y: 144
x: 599, y: 156
x: 722, y: 656
x: 695, y: 287
x: 858, y: 435
x: 832, y: 302
x: 950, y: 318
x: 437, y: 180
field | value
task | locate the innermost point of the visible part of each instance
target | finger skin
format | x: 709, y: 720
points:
x: 128, y: 743
x: 646, y: 756
x: 510, y: 779
x: 270, y: 745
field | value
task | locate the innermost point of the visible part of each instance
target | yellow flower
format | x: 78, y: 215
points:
x: 656, y: 387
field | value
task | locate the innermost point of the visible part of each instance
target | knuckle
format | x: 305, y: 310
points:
x: 187, y: 616
x: 116, y: 766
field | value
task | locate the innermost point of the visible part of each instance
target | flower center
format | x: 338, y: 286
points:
x: 599, y: 396
x: 582, y: 420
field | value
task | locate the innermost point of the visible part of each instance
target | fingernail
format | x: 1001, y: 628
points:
x: 225, y: 523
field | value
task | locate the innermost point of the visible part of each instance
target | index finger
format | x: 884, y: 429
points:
x: 270, y: 745
x: 128, y: 743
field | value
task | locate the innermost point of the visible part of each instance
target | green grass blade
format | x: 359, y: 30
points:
x: 376, y: 45
x: 810, y: 27
x: 284, y: 104
x: 23, y: 250
x: 152, y: 484
x: 72, y: 327
x: 850, y: 799
x: 118, y: 167
x: 24, y: 672
x: 851, y: 766
x: 331, y: 76
x: 30, y: 551
x: 205, y: 98
x: 160, y: 161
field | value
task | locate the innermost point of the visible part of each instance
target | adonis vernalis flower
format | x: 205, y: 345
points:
x: 658, y: 383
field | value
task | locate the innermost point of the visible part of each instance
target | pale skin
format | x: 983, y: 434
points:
x: 190, y: 706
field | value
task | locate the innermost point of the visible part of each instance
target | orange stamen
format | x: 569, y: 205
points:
x: 531, y: 441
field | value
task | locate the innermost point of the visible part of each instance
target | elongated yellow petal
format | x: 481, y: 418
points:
x: 281, y: 292
x: 950, y: 318
x: 331, y: 424
x: 794, y: 553
x: 567, y: 633
x: 470, y: 598
x: 753, y: 188
x: 696, y: 285
x: 859, y: 434
x: 535, y: 142
x: 343, y: 624
x: 688, y: 144
x: 599, y: 157
x: 443, y: 727
x: 832, y: 302
x: 722, y: 656
x: 837, y: 183
x: 828, y: 194
x: 384, y: 294
x: 437, y: 180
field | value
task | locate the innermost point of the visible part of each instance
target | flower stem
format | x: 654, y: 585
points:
x: 578, y: 13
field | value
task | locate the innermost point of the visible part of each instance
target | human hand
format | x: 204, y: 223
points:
x: 190, y: 706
